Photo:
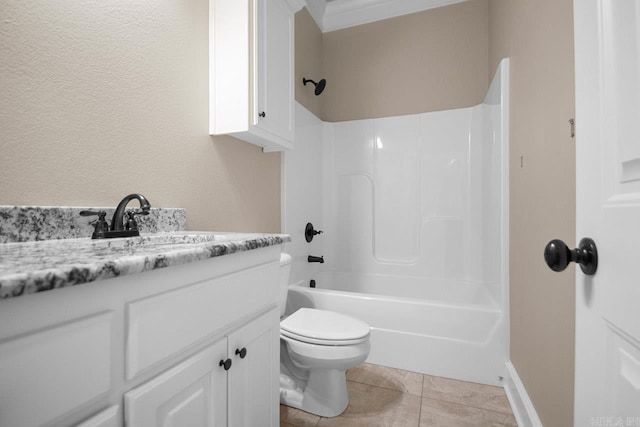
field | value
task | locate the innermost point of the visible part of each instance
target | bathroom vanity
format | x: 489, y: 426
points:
x: 192, y: 344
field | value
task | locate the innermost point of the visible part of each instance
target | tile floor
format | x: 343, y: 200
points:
x: 381, y: 396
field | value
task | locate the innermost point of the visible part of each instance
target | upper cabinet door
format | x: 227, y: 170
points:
x: 251, y: 71
x: 275, y: 68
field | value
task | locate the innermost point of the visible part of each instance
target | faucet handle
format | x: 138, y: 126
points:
x: 99, y: 214
x: 309, y: 232
x: 101, y: 226
x: 131, y: 223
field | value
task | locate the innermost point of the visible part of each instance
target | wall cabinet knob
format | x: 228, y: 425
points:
x: 242, y: 353
x: 262, y: 114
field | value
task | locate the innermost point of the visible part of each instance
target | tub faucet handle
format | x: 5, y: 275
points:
x: 309, y: 232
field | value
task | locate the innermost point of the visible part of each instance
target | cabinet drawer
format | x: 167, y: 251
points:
x: 47, y: 373
x: 163, y: 325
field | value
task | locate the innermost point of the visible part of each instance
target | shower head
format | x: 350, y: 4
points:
x: 319, y: 86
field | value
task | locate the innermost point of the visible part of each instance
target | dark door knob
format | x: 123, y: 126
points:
x: 557, y: 255
x: 226, y: 364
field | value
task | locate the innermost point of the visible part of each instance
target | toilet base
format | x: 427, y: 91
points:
x: 290, y: 394
x: 325, y: 393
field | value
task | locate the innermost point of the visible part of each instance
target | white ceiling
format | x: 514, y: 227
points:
x: 335, y: 14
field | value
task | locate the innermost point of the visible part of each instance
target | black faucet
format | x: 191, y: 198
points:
x: 319, y: 259
x: 117, y: 222
x: 118, y: 226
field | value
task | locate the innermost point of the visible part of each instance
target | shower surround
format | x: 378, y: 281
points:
x: 415, y: 214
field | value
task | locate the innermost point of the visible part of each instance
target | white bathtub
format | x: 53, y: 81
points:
x: 443, y: 328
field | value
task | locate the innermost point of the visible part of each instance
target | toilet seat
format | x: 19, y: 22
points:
x: 324, y: 327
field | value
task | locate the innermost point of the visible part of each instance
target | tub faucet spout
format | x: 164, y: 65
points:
x: 319, y: 259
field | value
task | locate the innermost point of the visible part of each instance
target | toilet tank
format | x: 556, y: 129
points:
x: 285, y: 270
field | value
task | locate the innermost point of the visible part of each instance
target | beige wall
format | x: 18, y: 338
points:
x: 538, y: 36
x: 426, y: 61
x: 308, y: 41
x: 101, y: 100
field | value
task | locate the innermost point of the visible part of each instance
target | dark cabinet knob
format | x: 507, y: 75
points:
x: 558, y: 256
x: 226, y: 364
x: 262, y: 114
x: 242, y: 353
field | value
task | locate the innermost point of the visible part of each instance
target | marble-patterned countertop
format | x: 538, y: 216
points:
x: 30, y: 267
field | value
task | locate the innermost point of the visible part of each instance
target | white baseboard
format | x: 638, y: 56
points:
x: 523, y: 410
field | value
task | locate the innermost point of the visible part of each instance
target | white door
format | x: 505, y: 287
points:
x: 607, y: 43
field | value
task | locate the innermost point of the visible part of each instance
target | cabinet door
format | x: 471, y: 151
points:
x: 107, y: 418
x: 275, y: 68
x: 254, y: 379
x: 193, y: 393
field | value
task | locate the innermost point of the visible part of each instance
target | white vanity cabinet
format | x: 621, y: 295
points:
x: 251, y: 66
x: 145, y: 349
x: 233, y: 382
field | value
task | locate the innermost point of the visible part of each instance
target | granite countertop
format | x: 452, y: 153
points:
x: 37, y: 266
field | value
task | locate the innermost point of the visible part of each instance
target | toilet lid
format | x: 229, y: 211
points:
x: 313, y: 325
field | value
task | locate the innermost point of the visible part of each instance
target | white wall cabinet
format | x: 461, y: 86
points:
x: 148, y: 347
x: 251, y: 66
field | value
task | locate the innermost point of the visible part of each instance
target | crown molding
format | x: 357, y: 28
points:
x: 317, y: 8
x: 296, y: 5
x: 333, y: 15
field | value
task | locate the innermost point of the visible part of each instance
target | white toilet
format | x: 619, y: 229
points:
x: 316, y: 349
